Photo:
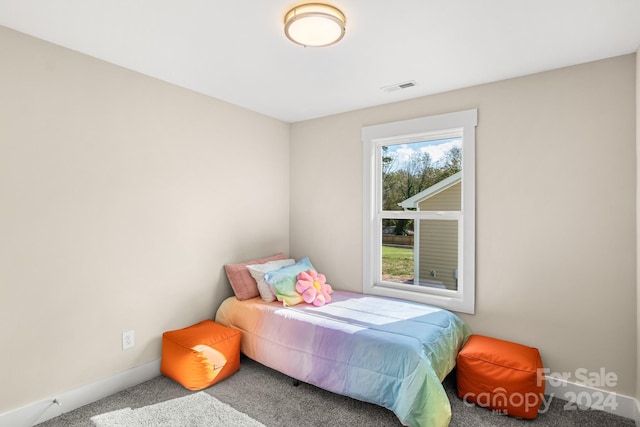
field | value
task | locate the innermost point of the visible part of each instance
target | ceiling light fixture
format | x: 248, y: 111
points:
x: 314, y: 25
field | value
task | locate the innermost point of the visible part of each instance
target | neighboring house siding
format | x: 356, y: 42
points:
x: 446, y: 200
x: 438, y: 244
x: 439, y: 252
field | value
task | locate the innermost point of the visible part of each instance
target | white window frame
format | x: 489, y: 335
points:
x: 407, y: 131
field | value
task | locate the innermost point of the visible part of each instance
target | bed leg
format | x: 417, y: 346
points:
x: 296, y: 383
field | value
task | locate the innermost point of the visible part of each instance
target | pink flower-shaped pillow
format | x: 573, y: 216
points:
x: 313, y: 288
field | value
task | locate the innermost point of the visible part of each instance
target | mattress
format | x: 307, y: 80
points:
x: 389, y: 352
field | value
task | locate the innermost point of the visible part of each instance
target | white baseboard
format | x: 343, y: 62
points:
x: 45, y: 409
x: 579, y: 396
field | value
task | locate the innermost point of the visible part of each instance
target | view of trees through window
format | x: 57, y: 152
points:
x: 407, y: 171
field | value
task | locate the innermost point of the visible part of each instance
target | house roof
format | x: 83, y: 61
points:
x: 236, y: 51
x: 414, y: 201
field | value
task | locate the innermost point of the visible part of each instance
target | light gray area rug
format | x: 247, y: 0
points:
x: 199, y: 409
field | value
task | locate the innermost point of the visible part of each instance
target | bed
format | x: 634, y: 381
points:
x: 384, y: 351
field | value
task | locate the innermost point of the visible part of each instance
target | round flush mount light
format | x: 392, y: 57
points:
x: 314, y: 25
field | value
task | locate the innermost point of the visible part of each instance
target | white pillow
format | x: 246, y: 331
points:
x: 258, y: 271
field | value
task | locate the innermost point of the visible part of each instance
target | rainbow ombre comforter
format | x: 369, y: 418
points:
x: 389, y: 352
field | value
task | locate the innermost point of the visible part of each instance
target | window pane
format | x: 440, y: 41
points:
x: 437, y: 243
x: 433, y: 246
x: 413, y: 172
x: 397, y: 260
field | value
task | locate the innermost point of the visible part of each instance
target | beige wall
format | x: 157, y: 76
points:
x: 121, y: 197
x: 555, y: 189
x: 638, y: 222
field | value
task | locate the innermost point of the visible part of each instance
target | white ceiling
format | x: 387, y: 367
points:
x: 235, y: 50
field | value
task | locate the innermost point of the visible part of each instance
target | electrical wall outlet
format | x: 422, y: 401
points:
x: 128, y: 339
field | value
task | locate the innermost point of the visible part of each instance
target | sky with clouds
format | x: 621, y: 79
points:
x: 437, y: 150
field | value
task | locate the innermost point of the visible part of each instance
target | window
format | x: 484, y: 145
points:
x: 419, y: 210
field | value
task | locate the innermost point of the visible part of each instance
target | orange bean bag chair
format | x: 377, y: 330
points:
x: 501, y: 375
x: 200, y: 355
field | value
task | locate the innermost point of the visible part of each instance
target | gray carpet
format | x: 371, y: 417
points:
x: 270, y: 398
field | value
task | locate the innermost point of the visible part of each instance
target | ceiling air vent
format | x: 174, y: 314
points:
x: 399, y: 86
